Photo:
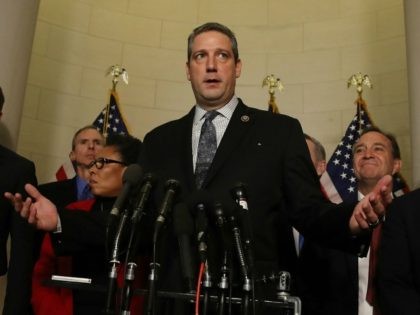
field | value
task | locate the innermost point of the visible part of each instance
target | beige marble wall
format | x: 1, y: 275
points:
x: 314, y: 46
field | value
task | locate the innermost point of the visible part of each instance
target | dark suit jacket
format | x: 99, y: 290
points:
x: 340, y: 286
x: 268, y: 153
x: 399, y: 257
x: 15, y: 172
x: 61, y: 193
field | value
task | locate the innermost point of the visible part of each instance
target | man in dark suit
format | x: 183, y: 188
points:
x: 399, y: 257
x: 265, y: 151
x: 375, y: 154
x: 15, y: 171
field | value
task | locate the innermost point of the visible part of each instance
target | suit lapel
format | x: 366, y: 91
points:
x: 238, y: 126
x: 184, y: 146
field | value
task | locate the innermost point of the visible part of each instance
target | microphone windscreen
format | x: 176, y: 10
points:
x: 200, y: 197
x: 132, y: 174
x: 183, y: 222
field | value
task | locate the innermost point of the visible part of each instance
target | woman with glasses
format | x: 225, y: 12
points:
x: 77, y: 243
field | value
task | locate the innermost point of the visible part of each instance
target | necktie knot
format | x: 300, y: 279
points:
x: 210, y: 115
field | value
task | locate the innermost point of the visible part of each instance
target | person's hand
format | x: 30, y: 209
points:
x: 370, y: 211
x: 37, y: 209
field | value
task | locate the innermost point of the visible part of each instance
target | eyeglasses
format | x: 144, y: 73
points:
x: 100, y: 162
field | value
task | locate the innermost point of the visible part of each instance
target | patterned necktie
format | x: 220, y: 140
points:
x: 207, y: 146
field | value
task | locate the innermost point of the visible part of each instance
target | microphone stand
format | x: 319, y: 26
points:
x: 115, y: 264
x: 223, y: 285
x: 247, y: 285
x: 131, y: 265
x: 283, y: 292
x: 172, y: 187
x: 206, y: 288
x: 133, y: 245
x: 153, y: 277
x: 240, y: 196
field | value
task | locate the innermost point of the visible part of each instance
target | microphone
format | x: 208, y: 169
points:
x: 133, y: 243
x: 201, y: 230
x: 221, y: 223
x: 171, y: 187
x: 223, y: 284
x: 131, y: 177
x: 184, y: 228
x: 199, y: 201
x: 239, y: 194
x: 145, y: 190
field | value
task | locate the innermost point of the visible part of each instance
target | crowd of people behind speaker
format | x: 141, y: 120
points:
x: 265, y: 151
x: 77, y: 245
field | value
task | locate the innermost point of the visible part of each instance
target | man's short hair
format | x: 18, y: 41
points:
x: 1, y: 99
x: 73, y: 142
x: 319, y: 148
x: 217, y: 27
x: 396, y: 154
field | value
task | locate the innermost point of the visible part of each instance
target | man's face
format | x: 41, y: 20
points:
x: 373, y: 158
x: 87, y: 144
x: 320, y: 166
x: 212, y: 69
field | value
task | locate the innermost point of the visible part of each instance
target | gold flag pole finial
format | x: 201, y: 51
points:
x: 116, y: 71
x: 272, y: 83
x: 359, y: 80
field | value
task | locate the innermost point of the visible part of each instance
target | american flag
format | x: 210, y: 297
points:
x: 109, y: 120
x: 339, y: 181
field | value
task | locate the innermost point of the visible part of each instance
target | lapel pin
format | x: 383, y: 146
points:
x: 244, y: 118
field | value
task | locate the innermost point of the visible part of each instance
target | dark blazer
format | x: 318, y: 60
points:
x: 399, y: 257
x: 61, y: 193
x: 340, y: 286
x: 268, y: 153
x: 15, y: 172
